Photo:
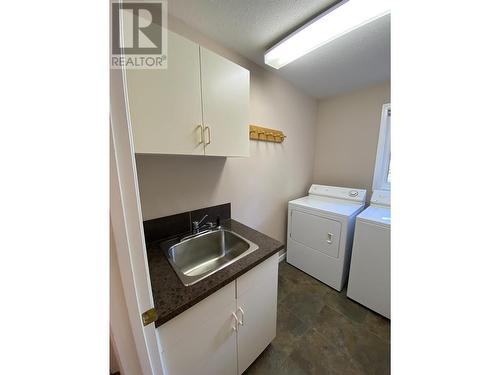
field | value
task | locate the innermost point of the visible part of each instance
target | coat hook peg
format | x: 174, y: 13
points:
x: 269, y: 135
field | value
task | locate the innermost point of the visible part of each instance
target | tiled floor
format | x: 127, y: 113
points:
x: 321, y: 331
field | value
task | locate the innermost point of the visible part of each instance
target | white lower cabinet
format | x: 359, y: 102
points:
x: 226, y: 332
x: 257, y: 296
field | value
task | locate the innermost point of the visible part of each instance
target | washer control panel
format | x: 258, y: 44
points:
x: 381, y: 198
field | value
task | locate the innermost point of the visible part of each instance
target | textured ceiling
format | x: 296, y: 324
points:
x: 250, y: 27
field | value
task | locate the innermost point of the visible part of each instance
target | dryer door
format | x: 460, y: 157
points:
x: 316, y: 232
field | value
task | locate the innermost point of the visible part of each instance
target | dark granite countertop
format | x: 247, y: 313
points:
x: 171, y: 297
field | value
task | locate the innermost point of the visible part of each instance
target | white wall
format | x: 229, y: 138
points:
x: 347, y: 137
x: 258, y: 187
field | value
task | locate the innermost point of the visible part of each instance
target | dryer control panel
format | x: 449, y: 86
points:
x: 350, y: 194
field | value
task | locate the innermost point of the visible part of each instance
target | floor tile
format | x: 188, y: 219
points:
x: 378, y: 325
x: 321, y: 331
x: 316, y: 355
x: 304, y: 305
x: 364, y: 348
x: 289, y: 330
x: 273, y: 361
x: 284, y: 287
x: 294, y: 275
x: 302, y: 294
x: 339, y: 302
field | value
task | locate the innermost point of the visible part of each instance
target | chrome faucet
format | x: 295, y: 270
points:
x: 196, y: 225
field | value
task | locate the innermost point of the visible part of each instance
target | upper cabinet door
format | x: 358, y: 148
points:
x: 165, y: 104
x: 226, y: 101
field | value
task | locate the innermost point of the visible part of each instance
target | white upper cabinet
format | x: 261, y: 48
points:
x: 226, y: 96
x: 199, y: 105
x: 165, y: 104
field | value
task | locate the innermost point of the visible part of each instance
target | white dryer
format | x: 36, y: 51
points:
x: 370, y: 275
x: 320, y: 232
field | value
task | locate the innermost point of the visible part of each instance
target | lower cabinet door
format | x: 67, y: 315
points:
x: 202, y: 340
x: 257, y: 295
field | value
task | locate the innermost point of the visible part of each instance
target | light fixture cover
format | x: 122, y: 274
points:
x: 335, y: 22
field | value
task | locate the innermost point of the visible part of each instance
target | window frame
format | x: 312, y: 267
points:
x: 383, y: 157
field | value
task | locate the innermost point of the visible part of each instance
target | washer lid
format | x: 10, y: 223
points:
x: 329, y: 205
x: 350, y: 194
x: 376, y: 214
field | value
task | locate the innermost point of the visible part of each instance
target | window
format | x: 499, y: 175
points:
x: 382, y: 173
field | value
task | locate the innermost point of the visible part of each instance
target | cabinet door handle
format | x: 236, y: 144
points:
x: 209, y: 135
x: 329, y: 240
x: 235, y: 320
x: 242, y: 321
x: 201, y: 134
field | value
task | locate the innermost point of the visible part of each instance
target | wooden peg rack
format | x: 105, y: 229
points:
x: 258, y: 133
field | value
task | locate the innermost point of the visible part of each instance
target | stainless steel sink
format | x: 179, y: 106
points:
x: 200, y: 256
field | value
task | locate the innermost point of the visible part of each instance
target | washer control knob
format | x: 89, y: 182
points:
x: 353, y: 193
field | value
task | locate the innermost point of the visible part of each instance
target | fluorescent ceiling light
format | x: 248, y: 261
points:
x: 335, y: 22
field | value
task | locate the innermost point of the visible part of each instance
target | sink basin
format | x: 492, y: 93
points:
x: 199, y: 257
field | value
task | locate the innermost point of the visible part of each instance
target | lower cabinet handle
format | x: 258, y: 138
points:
x: 242, y: 321
x: 329, y: 240
x: 235, y: 320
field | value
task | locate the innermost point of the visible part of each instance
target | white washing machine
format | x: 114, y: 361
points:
x: 320, y: 232
x: 370, y: 275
